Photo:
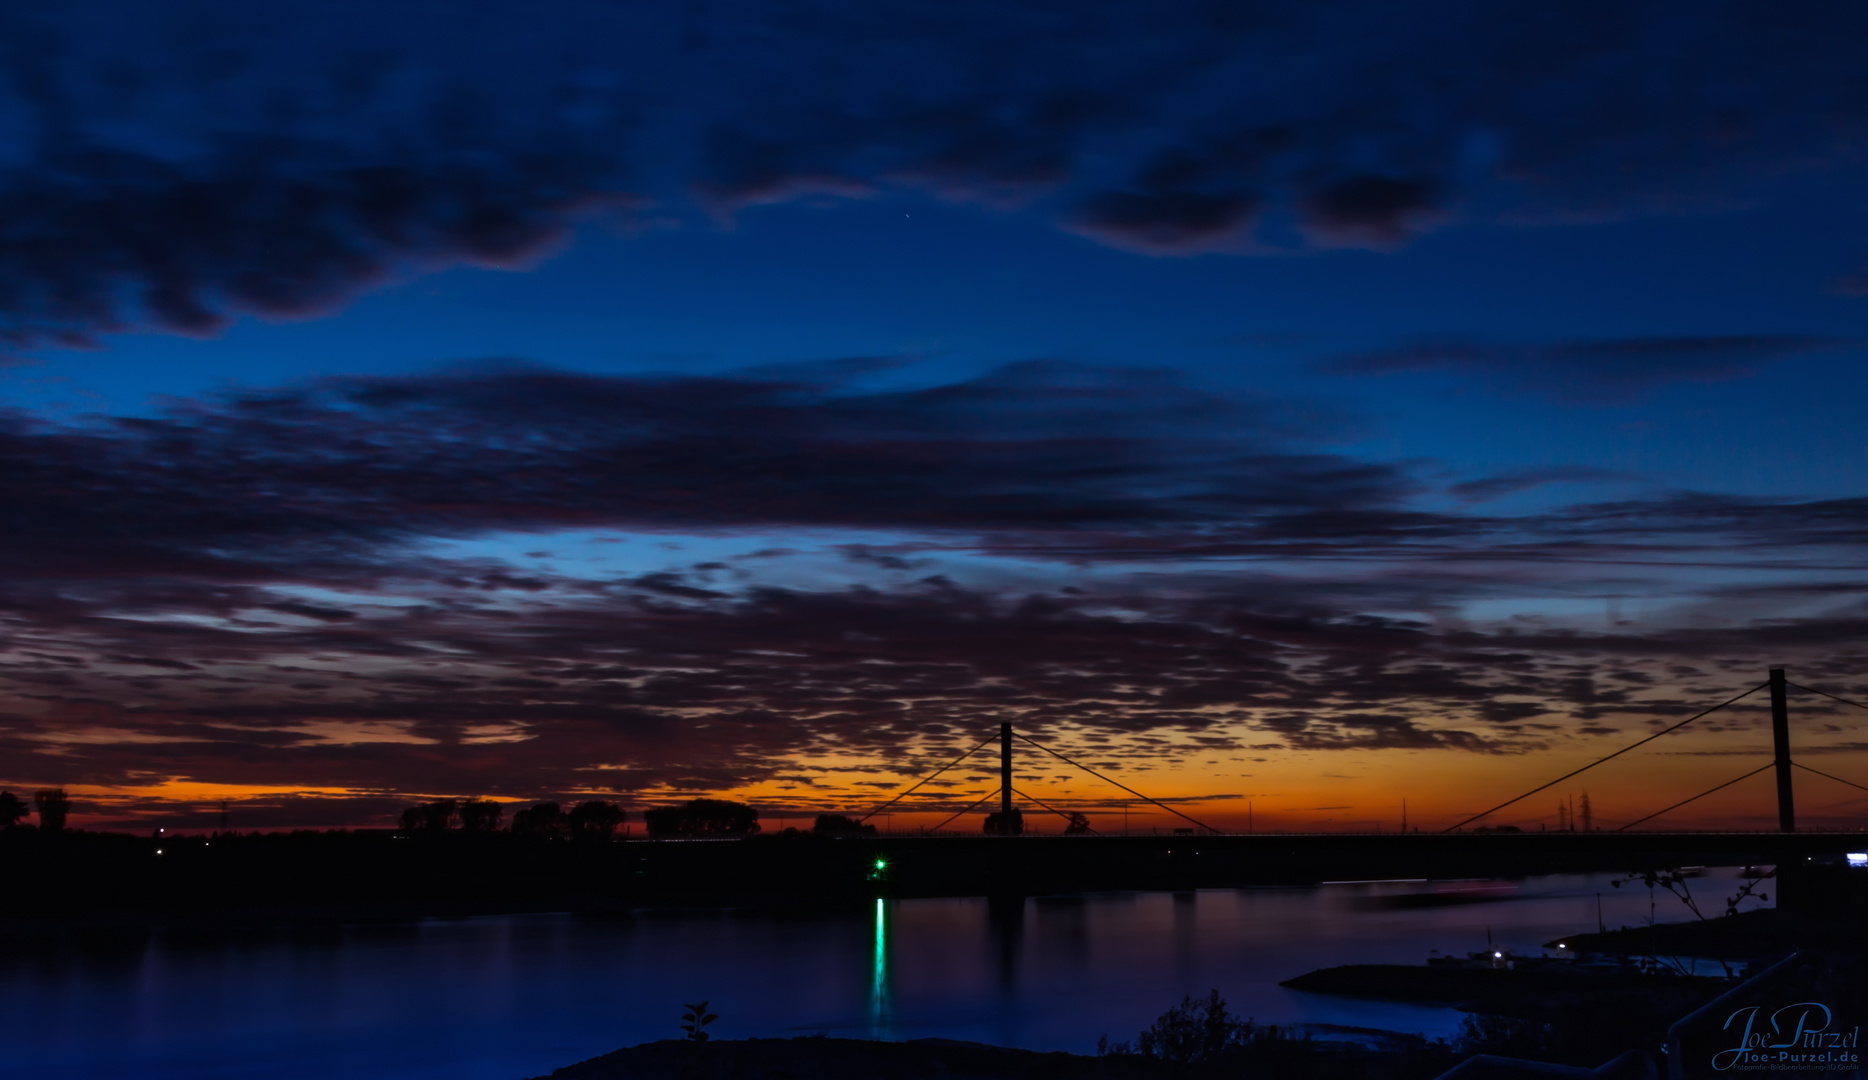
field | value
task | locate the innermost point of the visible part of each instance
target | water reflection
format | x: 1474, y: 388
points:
x: 1063, y: 930
x: 1186, y: 927
x: 879, y: 975
x: 505, y: 997
x: 1005, y: 920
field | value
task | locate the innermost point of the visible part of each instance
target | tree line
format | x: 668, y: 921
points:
x: 696, y: 819
x: 591, y: 819
x: 53, y: 805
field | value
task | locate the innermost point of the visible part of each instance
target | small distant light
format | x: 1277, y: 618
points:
x: 1858, y: 858
x: 1498, y: 955
x: 1561, y: 945
x: 158, y: 851
x: 881, y: 864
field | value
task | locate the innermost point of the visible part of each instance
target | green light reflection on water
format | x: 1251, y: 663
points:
x: 879, y: 976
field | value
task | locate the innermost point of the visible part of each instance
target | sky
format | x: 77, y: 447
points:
x: 1289, y: 409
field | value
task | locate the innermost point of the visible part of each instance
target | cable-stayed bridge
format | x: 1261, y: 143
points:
x: 1781, y: 764
x: 941, y: 858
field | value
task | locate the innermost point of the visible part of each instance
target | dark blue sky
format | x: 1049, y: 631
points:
x: 757, y: 399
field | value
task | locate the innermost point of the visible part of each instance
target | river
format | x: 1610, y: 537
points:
x: 506, y: 997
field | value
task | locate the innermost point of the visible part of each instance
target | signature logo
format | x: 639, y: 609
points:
x: 1802, y: 1036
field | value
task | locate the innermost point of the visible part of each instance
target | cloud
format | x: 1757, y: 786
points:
x: 1510, y: 483
x: 1185, y: 200
x: 253, y: 588
x: 1611, y: 371
x: 1168, y: 223
x: 178, y: 165
x: 333, y: 473
x: 346, y: 481
x: 1376, y: 211
x: 641, y: 695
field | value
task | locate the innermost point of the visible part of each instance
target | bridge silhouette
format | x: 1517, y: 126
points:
x: 1781, y: 762
x: 930, y: 862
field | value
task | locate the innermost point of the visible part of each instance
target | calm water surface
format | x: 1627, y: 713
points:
x: 507, y: 997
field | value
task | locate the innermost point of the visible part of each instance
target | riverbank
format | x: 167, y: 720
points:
x: 1569, y: 1017
x: 1529, y: 994
x: 350, y: 875
x: 820, y: 1057
x: 1753, y: 937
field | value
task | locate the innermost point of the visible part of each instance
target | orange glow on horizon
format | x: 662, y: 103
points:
x: 1235, y: 791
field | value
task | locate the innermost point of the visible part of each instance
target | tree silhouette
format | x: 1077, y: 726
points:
x: 841, y: 825
x: 595, y: 820
x: 997, y: 824
x: 1078, y: 825
x: 1197, y: 1031
x: 442, y: 814
x: 53, y: 806
x: 543, y: 819
x: 480, y: 815
x: 437, y: 816
x: 11, y: 809
x: 702, y: 818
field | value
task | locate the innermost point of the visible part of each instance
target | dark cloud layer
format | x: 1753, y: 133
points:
x: 341, y: 476
x: 247, y: 589
x: 329, y: 474
x: 1493, y: 487
x: 172, y: 165
x: 1591, y: 372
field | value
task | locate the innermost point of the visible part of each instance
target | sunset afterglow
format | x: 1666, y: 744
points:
x: 639, y: 405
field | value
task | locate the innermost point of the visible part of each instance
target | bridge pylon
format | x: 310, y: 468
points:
x: 1005, y: 774
x: 1780, y: 743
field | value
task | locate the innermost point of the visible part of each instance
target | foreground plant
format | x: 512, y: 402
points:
x: 695, y: 1021
x: 1192, y: 1032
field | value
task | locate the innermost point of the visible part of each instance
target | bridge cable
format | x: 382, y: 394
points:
x: 1832, y: 697
x: 925, y: 779
x: 968, y: 810
x: 1041, y: 802
x: 1826, y: 776
x: 1123, y: 786
x: 1701, y: 795
x: 1616, y: 754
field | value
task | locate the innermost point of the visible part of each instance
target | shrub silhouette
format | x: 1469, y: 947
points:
x: 1506, y: 1036
x: 543, y: 819
x: 1192, y: 1032
x: 11, y: 809
x: 702, y: 818
x: 840, y: 825
x: 595, y: 820
x: 53, y: 806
